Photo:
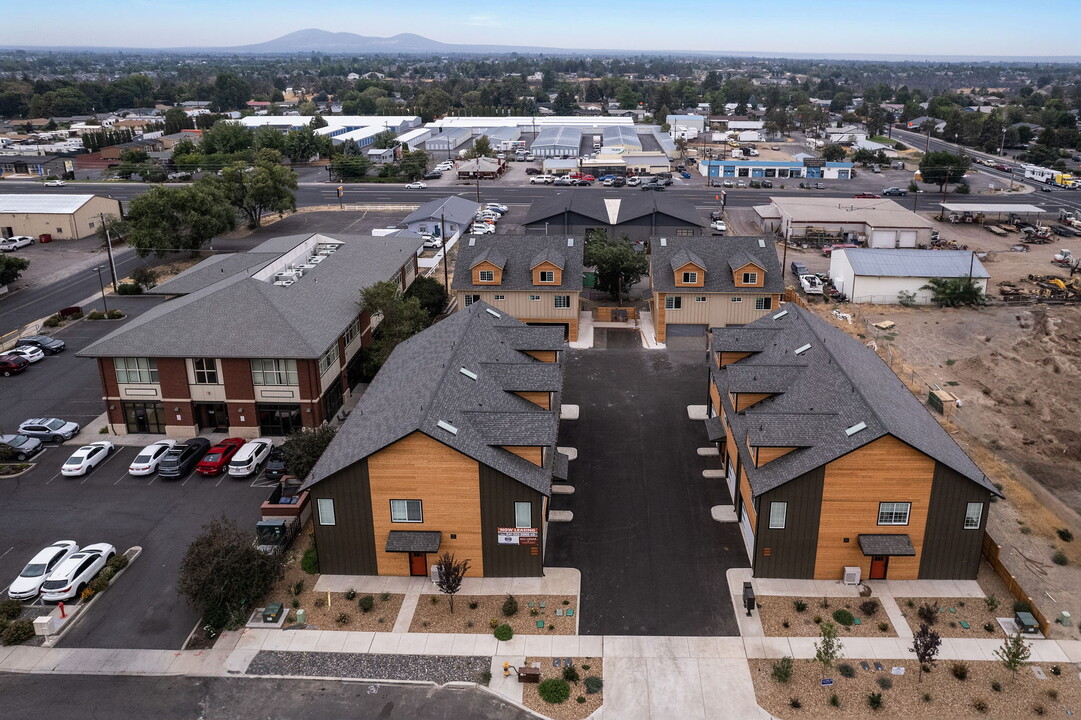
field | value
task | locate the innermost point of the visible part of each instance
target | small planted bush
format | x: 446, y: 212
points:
x: 1065, y: 535
x: 799, y: 605
x: 510, y: 606
x: 473, y: 605
x: 996, y: 686
x: 118, y: 562
x: 343, y: 618
x: 835, y: 700
x: 504, y: 632
x: 989, y: 627
x: 846, y: 670
x: 19, y: 631
x: 554, y: 690
x: 1056, y: 670
x: 580, y: 699
x: 992, y: 603
x: 959, y: 670
x: 782, y: 669
x: 297, y: 587
x: 10, y: 609
x: 366, y: 603
x: 843, y: 617
x: 795, y: 704
x: 928, y: 612
x: 593, y: 684
x: 350, y: 594
x: 885, y: 682
x: 874, y: 701
x: 884, y: 627
x: 1059, y: 558
x: 384, y: 596
x: 484, y: 677
x: 309, y: 563
x: 570, y: 674
x: 869, y: 607
x: 979, y: 705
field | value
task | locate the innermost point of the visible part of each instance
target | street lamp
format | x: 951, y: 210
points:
x: 102, y: 284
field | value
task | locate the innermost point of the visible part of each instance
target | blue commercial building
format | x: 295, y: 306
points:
x: 763, y: 169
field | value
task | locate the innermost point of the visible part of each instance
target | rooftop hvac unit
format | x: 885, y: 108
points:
x: 316, y: 259
x: 284, y: 283
x: 852, y: 576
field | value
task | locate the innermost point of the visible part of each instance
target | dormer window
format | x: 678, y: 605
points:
x: 750, y: 278
x: 547, y: 276
x: 486, y: 276
x: 690, y: 278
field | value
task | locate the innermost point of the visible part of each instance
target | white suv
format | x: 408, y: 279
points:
x: 69, y: 579
x: 546, y: 179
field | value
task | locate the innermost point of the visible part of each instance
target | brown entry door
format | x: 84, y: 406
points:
x: 879, y: 563
x: 418, y: 564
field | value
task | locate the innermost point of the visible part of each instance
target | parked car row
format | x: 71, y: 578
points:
x: 234, y: 456
x: 485, y: 219
x: 29, y: 350
x: 61, y: 571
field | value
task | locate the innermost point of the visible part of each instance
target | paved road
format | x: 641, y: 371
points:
x: 653, y: 561
x: 174, y: 698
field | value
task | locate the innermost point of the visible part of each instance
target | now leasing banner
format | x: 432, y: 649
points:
x: 518, y: 536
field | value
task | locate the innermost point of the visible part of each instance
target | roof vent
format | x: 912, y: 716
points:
x: 803, y: 348
x: 664, y: 242
x: 761, y: 242
x: 448, y: 427
x: 492, y: 312
x: 570, y: 242
x: 468, y: 373
x: 472, y: 242
x: 855, y: 428
x: 780, y: 315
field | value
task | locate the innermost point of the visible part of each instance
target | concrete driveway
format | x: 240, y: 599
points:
x: 653, y: 561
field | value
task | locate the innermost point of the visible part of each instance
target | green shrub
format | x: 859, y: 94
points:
x: 484, y: 677
x: 846, y: 670
x: 297, y: 588
x: 996, y: 686
x: 92, y: 315
x: 366, y: 603
x: 800, y: 605
x: 99, y: 584
x: 343, y: 618
x: 817, y: 619
x: 885, y: 682
x: 570, y: 674
x: 1064, y: 535
x: 992, y: 603
x: 128, y: 289
x: 510, y: 606
x: 581, y: 699
x: 874, y: 700
x: 473, y: 605
x: 869, y: 607
x: 928, y: 612
x: 926, y: 697
x: 1059, y: 558
x: 843, y: 617
x: 959, y: 670
x: 10, y: 609
x: 309, y: 563
x: 384, y: 596
x: 52, y: 321
x: 118, y: 562
x: 114, y: 315
x: 493, y: 623
x: 989, y: 627
x: 504, y: 632
x: 835, y: 701
x: 782, y: 670
x: 593, y: 684
x: 979, y: 705
x: 884, y: 627
x: 17, y: 632
x: 1056, y: 670
x: 795, y: 704
x: 434, y: 599
x: 554, y: 690
x: 350, y: 594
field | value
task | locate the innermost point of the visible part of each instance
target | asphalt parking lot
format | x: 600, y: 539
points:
x: 653, y: 561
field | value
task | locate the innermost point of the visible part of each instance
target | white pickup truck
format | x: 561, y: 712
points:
x: 810, y: 284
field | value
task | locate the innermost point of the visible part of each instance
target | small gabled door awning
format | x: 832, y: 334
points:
x: 413, y: 541
x: 715, y: 429
x: 900, y: 544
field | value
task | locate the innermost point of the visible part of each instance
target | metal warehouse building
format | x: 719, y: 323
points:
x: 558, y: 141
x: 448, y: 140
x: 622, y: 136
x: 880, y: 276
x: 62, y: 216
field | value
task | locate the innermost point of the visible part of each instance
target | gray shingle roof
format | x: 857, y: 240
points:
x: 426, y: 541
x: 211, y: 271
x: 452, y: 208
x: 604, y: 210
x: 241, y: 317
x: 421, y: 385
x: 893, y: 544
x: 716, y: 255
x: 886, y: 262
x: 517, y: 255
x: 833, y: 387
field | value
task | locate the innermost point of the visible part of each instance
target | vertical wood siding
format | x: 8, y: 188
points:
x: 498, y: 493
x: 791, y: 550
x: 950, y: 552
x: 348, y: 546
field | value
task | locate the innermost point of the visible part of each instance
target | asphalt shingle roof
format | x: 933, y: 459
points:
x: 719, y: 256
x: 421, y: 388
x: 834, y: 386
x: 605, y: 210
x: 892, y: 544
x: 426, y: 541
x: 242, y: 317
x: 518, y: 255
x: 452, y: 209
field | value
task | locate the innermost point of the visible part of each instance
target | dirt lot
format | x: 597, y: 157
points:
x: 436, y: 617
x: 570, y: 709
x: 938, y: 695
x: 776, y: 611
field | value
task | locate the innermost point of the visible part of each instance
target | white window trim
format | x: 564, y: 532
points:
x: 486, y: 276
x: 908, y: 512
x: 534, y: 298
x: 774, y: 524
x: 406, y: 508
x: 547, y: 276
x: 750, y: 278
x: 529, y: 522
x: 469, y: 298
x: 499, y: 297
x: 699, y: 298
x: 216, y: 371
x: 673, y: 302
x: 737, y: 299
x: 326, y: 511
x: 763, y: 303
x: 979, y: 515
x: 556, y: 299
x: 690, y: 278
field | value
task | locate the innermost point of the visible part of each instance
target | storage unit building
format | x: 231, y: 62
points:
x: 557, y: 142
x: 449, y: 140
x: 623, y: 137
x: 62, y: 216
x: 880, y: 276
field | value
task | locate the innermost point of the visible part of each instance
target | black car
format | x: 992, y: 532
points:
x: 799, y: 268
x: 275, y: 464
x: 716, y: 215
x: 681, y: 168
x: 11, y: 364
x: 179, y: 461
x: 582, y: 182
x: 767, y: 183
x: 618, y: 182
x: 433, y: 175
x: 51, y: 346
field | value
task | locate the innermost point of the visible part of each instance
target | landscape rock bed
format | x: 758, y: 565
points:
x: 490, y: 607
x: 774, y: 610
x: 569, y: 709
x: 380, y: 618
x: 439, y: 669
x: 971, y: 610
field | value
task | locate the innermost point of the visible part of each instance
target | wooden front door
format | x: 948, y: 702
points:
x: 418, y: 564
x: 879, y: 563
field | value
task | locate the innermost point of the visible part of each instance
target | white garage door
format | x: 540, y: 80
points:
x: 907, y: 239
x: 884, y: 239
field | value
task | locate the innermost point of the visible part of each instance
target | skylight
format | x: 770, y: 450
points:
x: 855, y: 428
x: 492, y: 312
x: 803, y: 348
x: 468, y: 373
x: 570, y: 242
x: 761, y: 242
x: 664, y: 242
x: 448, y: 427
x: 780, y: 315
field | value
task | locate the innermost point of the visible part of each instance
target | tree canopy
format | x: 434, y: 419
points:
x: 941, y: 168
x: 269, y: 187
x: 11, y: 268
x: 400, y: 318
x: 619, y: 265
x: 164, y: 220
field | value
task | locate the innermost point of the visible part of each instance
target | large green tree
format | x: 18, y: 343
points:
x: 413, y: 164
x: 176, y: 120
x: 618, y: 264
x: 954, y: 292
x: 11, y: 268
x: 833, y: 153
x: 164, y: 220
x: 269, y: 187
x: 230, y: 92
x: 400, y: 318
x: 226, y: 137
x: 482, y: 147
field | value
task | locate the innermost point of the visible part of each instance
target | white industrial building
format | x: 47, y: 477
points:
x: 363, y: 137
x: 879, y: 222
x: 336, y: 124
x: 880, y: 276
x: 413, y: 139
x: 448, y: 140
x: 695, y: 122
x: 623, y: 137
x: 530, y: 123
x: 557, y: 142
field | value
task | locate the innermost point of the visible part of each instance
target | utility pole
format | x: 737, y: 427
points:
x: 109, y: 249
x: 446, y: 260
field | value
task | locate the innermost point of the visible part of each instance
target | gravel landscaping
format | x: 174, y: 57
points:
x: 436, y: 617
x: 436, y: 668
x: 774, y: 611
x: 569, y: 709
x: 939, y: 695
x: 973, y: 611
x: 343, y: 613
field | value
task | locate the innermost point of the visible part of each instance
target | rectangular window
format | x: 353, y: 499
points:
x: 406, y: 511
x: 778, y: 512
x: 699, y: 298
x: 763, y: 303
x: 486, y: 275
x: 351, y: 332
x: 499, y: 297
x: 547, y: 276
x: 673, y: 302
x: 534, y: 298
x: 973, y: 516
x: 326, y: 511
x: 737, y: 299
x: 206, y: 371
x: 750, y: 278
x: 274, y: 372
x: 893, y: 513
x: 329, y: 359
x: 690, y: 278
x: 523, y: 514
x: 136, y: 370
x: 685, y: 232
x: 470, y: 299
x: 562, y: 301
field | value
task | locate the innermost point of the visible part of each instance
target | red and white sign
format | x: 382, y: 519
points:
x: 518, y: 536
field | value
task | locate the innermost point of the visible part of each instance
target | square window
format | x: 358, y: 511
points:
x: 737, y: 299
x: 763, y: 303
x: 206, y: 371
x: 699, y: 298
x: 499, y: 297
x: 547, y: 276
x: 534, y: 298
x: 326, y: 511
x: 562, y: 301
x: 486, y: 276
x: 523, y: 514
x: 690, y: 278
x: 778, y: 512
x: 406, y: 511
x: 750, y: 278
x: 470, y: 299
x: 673, y: 302
x: 973, y: 516
x: 894, y: 513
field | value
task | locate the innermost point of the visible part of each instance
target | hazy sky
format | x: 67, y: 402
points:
x: 960, y: 27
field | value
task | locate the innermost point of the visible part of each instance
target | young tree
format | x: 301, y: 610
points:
x: 269, y: 187
x: 1014, y: 652
x: 431, y: 294
x: 481, y: 148
x: 223, y: 575
x: 413, y: 164
x: 450, y: 574
x: 619, y: 265
x: 386, y: 139
x: 164, y: 220
x: 833, y: 153
x: 925, y: 644
x: 400, y: 318
x: 942, y: 168
x: 954, y: 292
x: 226, y: 136
x: 829, y: 650
x: 11, y: 268
x: 302, y: 145
x: 304, y: 447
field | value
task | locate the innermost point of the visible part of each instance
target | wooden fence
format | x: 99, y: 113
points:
x: 791, y: 295
x: 612, y: 314
x: 991, y: 551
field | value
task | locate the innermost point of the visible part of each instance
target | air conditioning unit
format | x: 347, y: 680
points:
x: 316, y: 259
x: 852, y: 576
x: 284, y: 283
x: 434, y: 574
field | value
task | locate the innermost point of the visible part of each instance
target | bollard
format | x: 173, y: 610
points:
x: 302, y: 617
x: 62, y: 613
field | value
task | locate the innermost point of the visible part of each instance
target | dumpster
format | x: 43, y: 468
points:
x: 45, y: 237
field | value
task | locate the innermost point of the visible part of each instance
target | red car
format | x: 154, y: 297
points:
x: 841, y: 246
x: 865, y: 196
x: 589, y: 178
x: 11, y: 364
x: 216, y: 459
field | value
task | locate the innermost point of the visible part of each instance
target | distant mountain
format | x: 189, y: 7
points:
x: 338, y: 43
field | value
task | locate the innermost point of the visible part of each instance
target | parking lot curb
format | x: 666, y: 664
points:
x: 19, y: 474
x: 52, y: 640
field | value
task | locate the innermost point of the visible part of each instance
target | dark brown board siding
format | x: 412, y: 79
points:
x: 348, y: 546
x: 498, y: 493
x: 950, y: 552
x: 791, y: 550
